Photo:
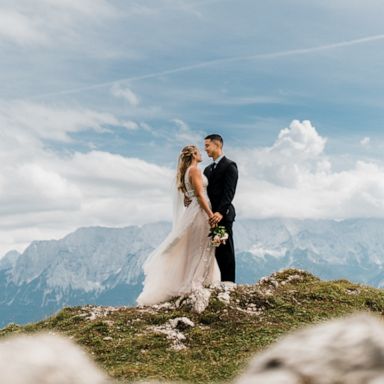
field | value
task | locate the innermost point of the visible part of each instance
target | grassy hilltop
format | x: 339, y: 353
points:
x: 143, y: 343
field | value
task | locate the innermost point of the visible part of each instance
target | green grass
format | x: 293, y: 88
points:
x: 225, y: 336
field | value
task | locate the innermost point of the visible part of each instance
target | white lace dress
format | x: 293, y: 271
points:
x: 185, y: 261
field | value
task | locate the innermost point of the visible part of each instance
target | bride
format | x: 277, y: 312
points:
x: 185, y: 261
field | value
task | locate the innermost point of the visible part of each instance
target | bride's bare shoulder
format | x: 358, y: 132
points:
x: 194, y: 171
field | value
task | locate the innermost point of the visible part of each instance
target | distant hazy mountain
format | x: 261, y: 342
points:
x: 90, y: 265
x: 104, y: 265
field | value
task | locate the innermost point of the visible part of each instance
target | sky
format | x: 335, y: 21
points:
x: 98, y: 97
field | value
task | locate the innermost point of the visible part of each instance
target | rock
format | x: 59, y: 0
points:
x: 172, y: 329
x: 342, y: 351
x: 92, y: 313
x: 48, y: 359
x: 224, y: 297
x: 181, y: 323
x: 198, y: 300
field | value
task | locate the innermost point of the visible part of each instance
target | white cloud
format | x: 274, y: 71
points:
x: 130, y: 125
x: 184, y: 134
x: 44, y: 194
x: 294, y: 178
x: 91, y: 8
x: 300, y: 139
x: 126, y: 94
x: 51, y: 195
x: 49, y: 21
x: 146, y: 127
x: 36, y: 121
x: 365, y: 142
x: 296, y: 152
x: 18, y: 28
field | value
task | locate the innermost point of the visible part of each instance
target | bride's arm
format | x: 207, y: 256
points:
x: 197, y: 184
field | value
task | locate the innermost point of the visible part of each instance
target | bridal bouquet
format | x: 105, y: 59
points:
x: 218, y: 235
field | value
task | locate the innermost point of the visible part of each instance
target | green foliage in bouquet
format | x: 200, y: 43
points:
x: 218, y: 235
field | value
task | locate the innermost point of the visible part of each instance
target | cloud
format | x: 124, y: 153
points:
x: 18, y: 28
x: 45, y: 22
x: 300, y: 139
x: 91, y: 8
x: 295, y: 178
x: 130, y: 125
x: 297, y: 152
x: 52, y: 195
x: 146, y: 127
x: 365, y: 142
x: 31, y: 121
x: 184, y: 134
x: 44, y: 194
x: 126, y: 94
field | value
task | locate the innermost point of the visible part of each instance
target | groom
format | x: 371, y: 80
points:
x: 222, y: 178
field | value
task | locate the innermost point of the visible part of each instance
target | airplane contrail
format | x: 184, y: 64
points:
x: 272, y: 55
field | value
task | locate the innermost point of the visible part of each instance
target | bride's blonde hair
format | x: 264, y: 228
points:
x: 185, y: 160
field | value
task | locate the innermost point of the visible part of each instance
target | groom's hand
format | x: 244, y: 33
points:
x: 215, y: 219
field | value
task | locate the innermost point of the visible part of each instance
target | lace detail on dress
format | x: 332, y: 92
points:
x: 189, y: 187
x: 203, y: 249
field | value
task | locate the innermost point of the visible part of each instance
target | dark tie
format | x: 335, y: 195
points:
x: 213, y: 166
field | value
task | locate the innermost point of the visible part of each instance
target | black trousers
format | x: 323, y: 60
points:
x: 225, y: 255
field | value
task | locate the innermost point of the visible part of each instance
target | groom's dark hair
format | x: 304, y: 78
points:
x: 215, y: 137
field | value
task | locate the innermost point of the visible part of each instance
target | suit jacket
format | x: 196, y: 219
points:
x: 221, y: 190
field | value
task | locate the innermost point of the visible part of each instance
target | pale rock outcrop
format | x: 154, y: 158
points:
x: 173, y: 331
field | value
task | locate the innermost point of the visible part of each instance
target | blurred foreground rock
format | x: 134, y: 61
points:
x: 342, y: 351
x: 46, y: 359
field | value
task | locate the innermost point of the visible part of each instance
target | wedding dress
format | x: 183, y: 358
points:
x: 185, y: 261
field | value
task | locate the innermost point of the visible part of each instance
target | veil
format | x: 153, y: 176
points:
x: 178, y: 206
x: 177, y: 202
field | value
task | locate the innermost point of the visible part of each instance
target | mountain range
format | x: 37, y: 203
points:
x: 103, y: 266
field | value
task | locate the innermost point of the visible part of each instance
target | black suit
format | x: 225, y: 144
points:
x: 222, y: 181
